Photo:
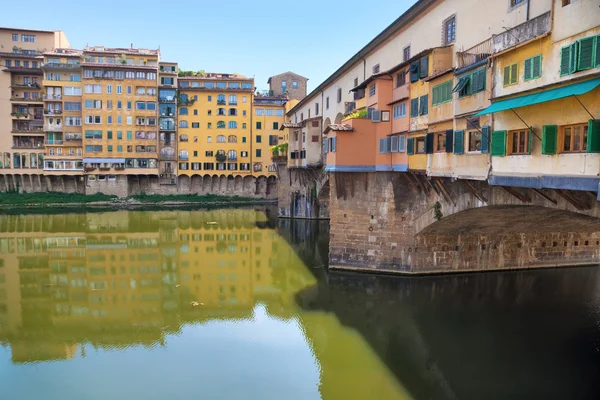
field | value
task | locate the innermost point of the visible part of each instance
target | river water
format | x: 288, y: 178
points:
x: 233, y: 304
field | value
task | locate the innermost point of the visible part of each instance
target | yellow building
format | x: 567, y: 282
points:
x: 269, y: 116
x: 62, y: 112
x: 214, y: 125
x: 120, y: 108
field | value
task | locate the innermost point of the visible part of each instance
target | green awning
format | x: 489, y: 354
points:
x: 542, y: 97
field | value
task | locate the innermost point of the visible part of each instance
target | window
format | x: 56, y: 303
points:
x: 471, y: 83
x: 183, y: 124
x: 376, y: 69
x: 275, y: 125
x: 28, y: 38
x: 519, y: 142
x: 564, y: 3
x: 196, y: 125
x: 283, y: 86
x: 339, y: 95
x: 532, y: 68
x: 372, y: 90
x: 420, y: 145
x: 183, y: 111
x: 129, y: 135
x: 327, y: 103
x: 294, y: 84
x: 399, y: 110
x: 514, y: 3
x: 15, y: 37
x: 129, y: 105
x: 574, y: 138
x: 400, y: 79
x: 260, y: 112
x: 317, y: 109
x: 119, y: 119
x: 474, y: 141
x: 581, y: 55
x: 511, y: 74
x: 129, y: 120
x: 258, y: 139
x: 269, y: 112
x: 119, y: 89
x: 449, y: 30
x: 442, y: 93
x: 259, y: 125
x: 232, y: 125
x: 258, y: 153
x: 406, y: 53
x: 424, y: 105
x: 440, y: 142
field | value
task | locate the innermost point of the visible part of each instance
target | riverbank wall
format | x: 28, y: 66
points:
x: 303, y: 193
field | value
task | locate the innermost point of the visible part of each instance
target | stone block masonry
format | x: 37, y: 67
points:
x: 386, y: 222
x: 303, y: 193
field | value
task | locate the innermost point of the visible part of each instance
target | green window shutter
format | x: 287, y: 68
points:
x: 499, y: 143
x: 424, y: 105
x: 410, y: 146
x: 435, y: 96
x: 549, y: 139
x: 507, y: 75
x: 514, y: 73
x: 449, y: 141
x: 593, y: 139
x: 527, y: 75
x: 530, y: 138
x: 536, y: 68
x: 574, y: 56
x: 429, y: 143
x: 586, y: 53
x: 485, y: 139
x: 482, y: 76
x: 414, y: 71
x: 459, y: 142
x: 598, y: 51
x: 565, y: 57
x: 414, y: 107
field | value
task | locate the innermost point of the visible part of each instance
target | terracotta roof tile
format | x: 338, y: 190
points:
x: 338, y: 128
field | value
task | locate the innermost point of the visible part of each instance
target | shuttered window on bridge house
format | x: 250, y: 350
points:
x: 593, y: 143
x: 549, y: 139
x: 499, y: 143
x: 459, y: 142
x: 410, y: 146
x: 485, y: 139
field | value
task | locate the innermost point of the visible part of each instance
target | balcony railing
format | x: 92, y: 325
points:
x: 53, y: 112
x: 221, y: 102
x: 34, y: 85
x: 475, y: 54
x: 52, y: 97
x: 36, y: 130
x: 54, y: 142
x: 234, y: 158
x: 73, y: 136
x: 37, y: 145
x: 166, y: 100
x: 61, y: 65
x: 53, y: 128
x: 183, y: 157
x: 26, y: 99
x: 522, y: 33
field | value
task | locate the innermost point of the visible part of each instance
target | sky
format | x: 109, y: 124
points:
x: 259, y: 38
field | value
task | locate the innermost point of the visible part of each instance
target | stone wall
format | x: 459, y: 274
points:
x: 383, y: 221
x: 303, y: 193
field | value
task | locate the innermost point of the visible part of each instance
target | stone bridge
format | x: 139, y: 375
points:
x: 409, y: 223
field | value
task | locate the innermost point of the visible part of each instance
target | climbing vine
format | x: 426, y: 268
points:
x: 437, y: 211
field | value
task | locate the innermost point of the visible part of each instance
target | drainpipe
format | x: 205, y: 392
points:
x: 527, y: 12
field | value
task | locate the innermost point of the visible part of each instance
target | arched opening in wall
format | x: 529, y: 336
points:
x: 196, y: 183
x: 326, y: 123
x: 338, y: 118
x: 206, y: 183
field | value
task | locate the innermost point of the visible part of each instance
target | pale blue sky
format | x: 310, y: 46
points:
x: 257, y: 38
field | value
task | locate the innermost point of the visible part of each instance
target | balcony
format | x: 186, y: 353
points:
x: 73, y: 136
x: 221, y: 102
x: 50, y: 97
x: 26, y: 100
x: 233, y: 103
x: 166, y: 100
x: 53, y: 128
x: 525, y: 32
x: 33, y: 85
x: 28, y: 129
x: 28, y: 144
x: 183, y: 157
x: 234, y: 158
x: 475, y: 54
x: 54, y: 142
x: 53, y: 112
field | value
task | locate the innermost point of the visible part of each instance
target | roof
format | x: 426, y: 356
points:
x: 289, y: 125
x: 20, y: 55
x: 64, y: 52
x: 211, y: 76
x: 338, y: 128
x: 287, y: 73
x: 119, y: 50
x: 25, y: 30
x: 442, y: 73
x: 368, y: 80
x: 388, y: 32
x: 573, y: 89
x: 120, y: 66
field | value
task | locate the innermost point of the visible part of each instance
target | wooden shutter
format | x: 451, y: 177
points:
x: 459, y: 142
x: 586, y: 53
x: 424, y: 67
x: 597, y: 51
x: 449, y: 140
x: 527, y: 69
x: 499, y: 143
x: 414, y: 71
x: 574, y: 57
x: 565, y: 60
x: 401, y: 144
x: 414, y: 107
x: 530, y: 138
x: 333, y: 144
x: 485, y: 139
x: 507, y: 75
x: 424, y: 105
x: 410, y: 147
x: 549, y: 139
x: 593, y: 141
x: 435, y: 99
x: 429, y: 143
x: 381, y: 146
x: 536, y: 68
x: 514, y: 73
x: 394, y: 144
x: 326, y: 145
x: 376, y: 116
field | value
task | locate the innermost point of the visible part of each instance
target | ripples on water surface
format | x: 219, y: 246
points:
x: 229, y: 304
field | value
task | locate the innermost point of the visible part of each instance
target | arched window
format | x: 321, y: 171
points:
x: 221, y: 111
x: 167, y: 152
x: 183, y: 154
x: 221, y: 139
x: 183, y: 124
x: 232, y: 125
x: 221, y: 125
x: 25, y: 160
x: 232, y: 155
x: 33, y: 160
x: 233, y: 112
x: 183, y: 111
x: 41, y: 159
x: 232, y: 139
x: 6, y: 160
x: 220, y: 156
x: 183, y: 98
x: 17, y: 160
x: 221, y: 100
x: 232, y: 99
x: 183, y: 138
x: 257, y: 167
